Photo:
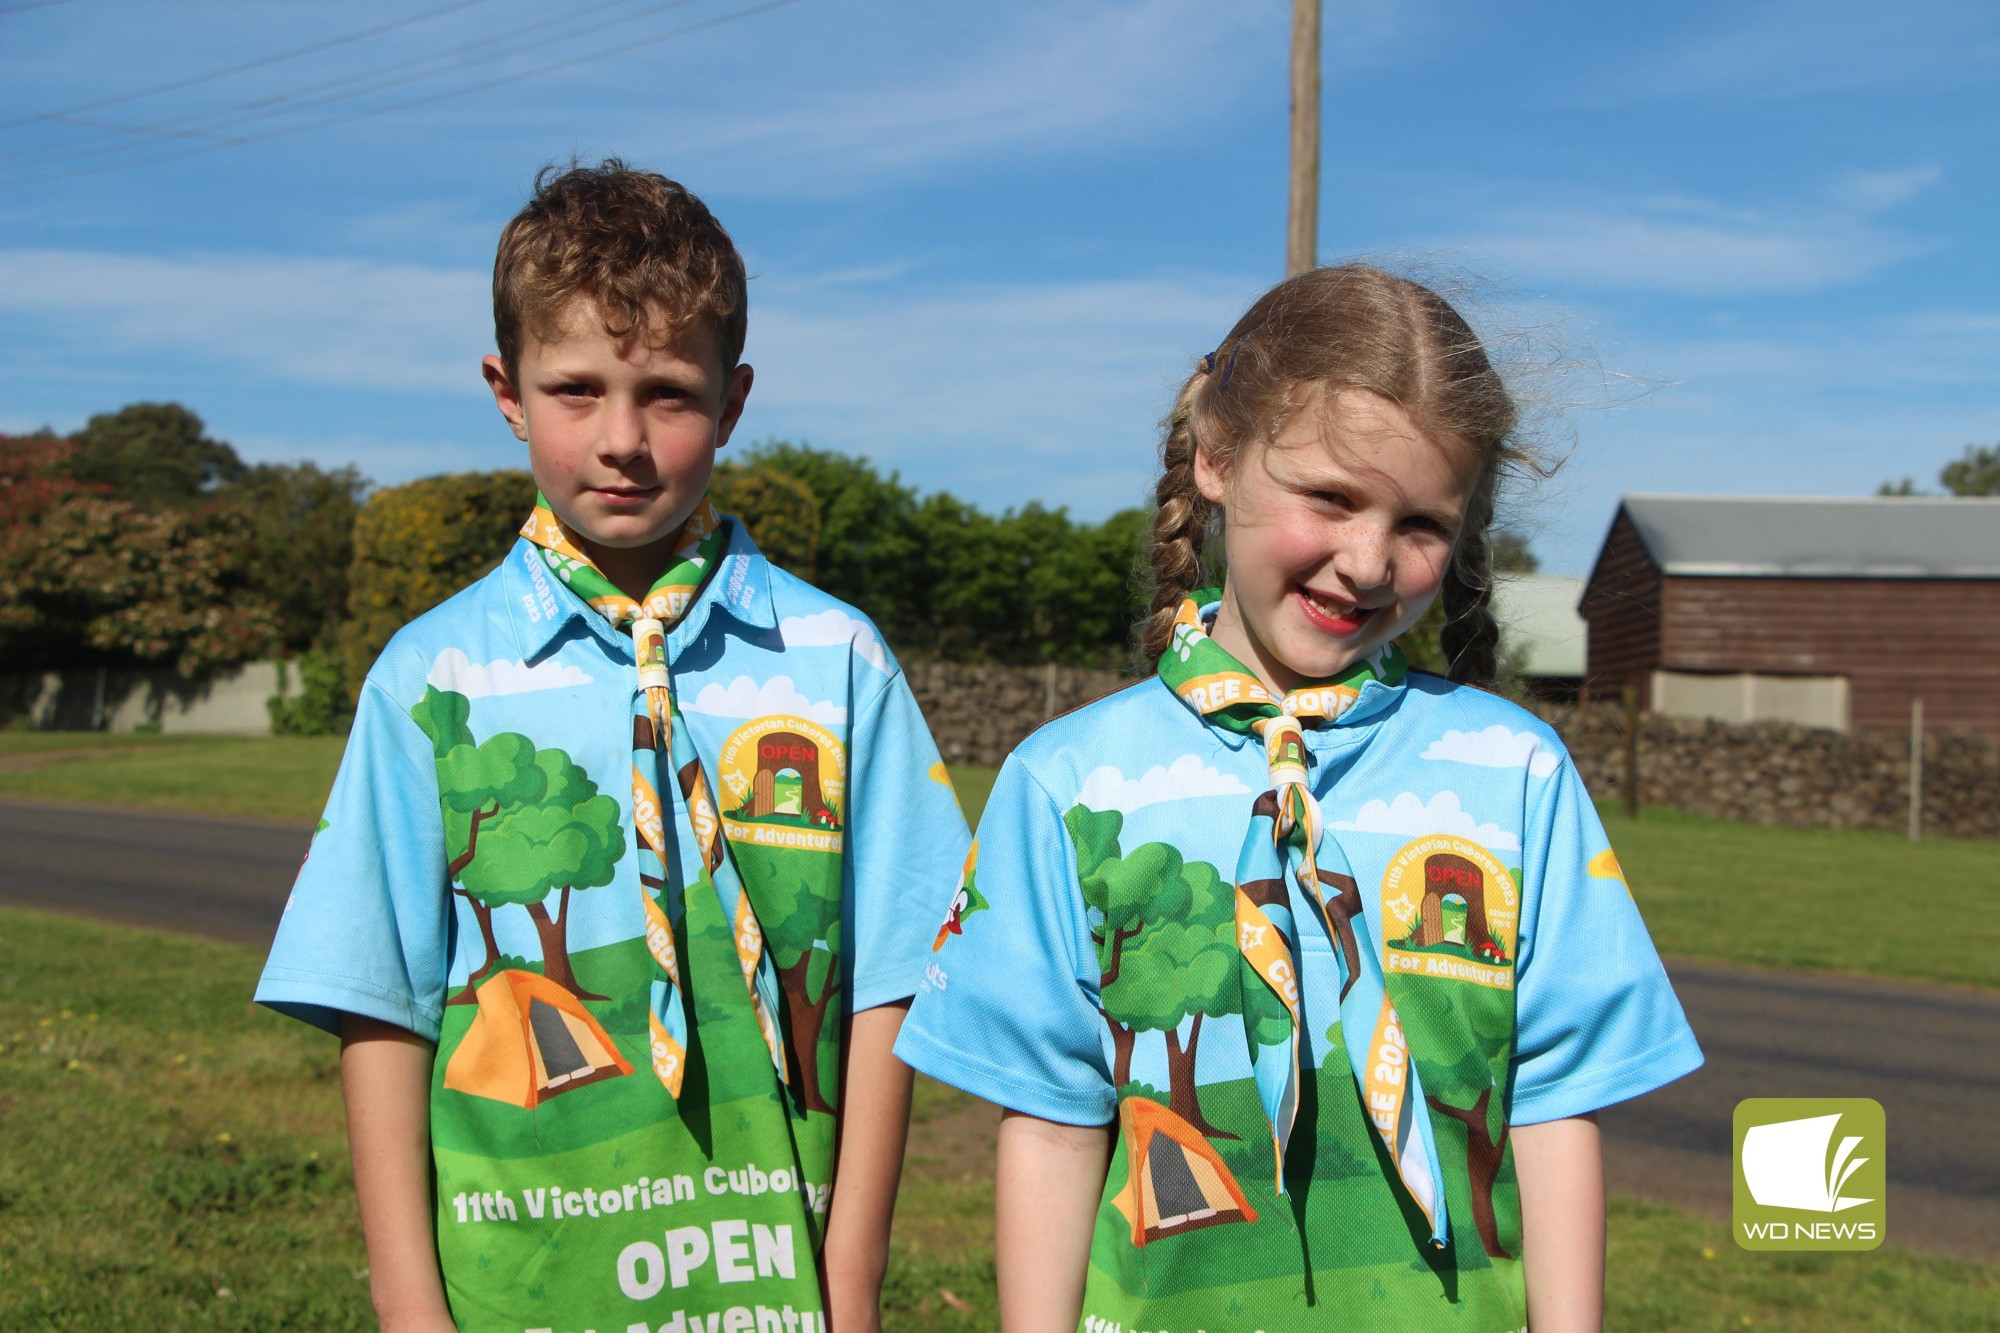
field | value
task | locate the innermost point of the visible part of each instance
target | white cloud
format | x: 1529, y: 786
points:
x: 834, y: 626
x: 1874, y: 191
x: 744, y: 697
x: 1688, y: 248
x: 1411, y: 817
x: 1495, y: 747
x: 349, y: 322
x: 1108, y: 789
x: 453, y: 670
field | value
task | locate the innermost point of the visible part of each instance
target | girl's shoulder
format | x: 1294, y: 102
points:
x: 1432, y: 702
x: 1131, y: 730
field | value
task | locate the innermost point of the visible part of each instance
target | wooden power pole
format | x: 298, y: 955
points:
x: 1302, y: 220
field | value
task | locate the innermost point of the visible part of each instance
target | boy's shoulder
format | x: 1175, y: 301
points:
x: 801, y: 615
x: 478, y: 621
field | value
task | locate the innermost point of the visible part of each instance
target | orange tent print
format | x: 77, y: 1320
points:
x: 530, y: 1041
x: 1175, y: 1180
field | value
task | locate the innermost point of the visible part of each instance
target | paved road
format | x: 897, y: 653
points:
x: 1929, y: 1054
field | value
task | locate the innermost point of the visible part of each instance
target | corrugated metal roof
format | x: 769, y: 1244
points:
x: 1879, y: 537
x: 1538, y: 619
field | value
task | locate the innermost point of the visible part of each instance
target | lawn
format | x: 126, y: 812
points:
x: 171, y: 1157
x: 1813, y: 899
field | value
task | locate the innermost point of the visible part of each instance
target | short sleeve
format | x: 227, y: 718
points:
x: 1008, y: 1009
x: 367, y: 928
x: 1597, y: 1021
x: 906, y: 841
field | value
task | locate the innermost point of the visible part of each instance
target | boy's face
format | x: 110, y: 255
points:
x: 621, y: 435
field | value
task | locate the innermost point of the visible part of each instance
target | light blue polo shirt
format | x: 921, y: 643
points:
x: 573, y: 1190
x: 1525, y: 981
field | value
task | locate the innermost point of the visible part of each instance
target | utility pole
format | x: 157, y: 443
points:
x: 1302, y: 219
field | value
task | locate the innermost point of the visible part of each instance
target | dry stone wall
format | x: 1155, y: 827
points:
x: 1764, y: 773
x: 1781, y: 773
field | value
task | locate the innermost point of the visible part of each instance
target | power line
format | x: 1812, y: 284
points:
x: 466, y: 90
x: 173, y: 85
x: 358, y: 84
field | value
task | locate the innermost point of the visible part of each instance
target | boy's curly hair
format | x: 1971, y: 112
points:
x: 639, y: 247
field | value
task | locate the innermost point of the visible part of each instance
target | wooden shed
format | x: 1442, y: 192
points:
x: 1834, y: 613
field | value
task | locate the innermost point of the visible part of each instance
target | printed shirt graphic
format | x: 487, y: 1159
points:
x: 474, y: 881
x: 1100, y: 983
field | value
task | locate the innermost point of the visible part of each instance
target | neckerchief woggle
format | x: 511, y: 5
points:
x: 658, y: 731
x: 1286, y: 844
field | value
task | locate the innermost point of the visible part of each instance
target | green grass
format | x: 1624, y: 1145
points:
x: 172, y: 1158
x: 55, y: 742
x: 1816, y: 899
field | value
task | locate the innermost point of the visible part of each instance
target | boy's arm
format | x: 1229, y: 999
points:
x: 385, y: 1075
x: 1046, y: 1194
x: 1561, y: 1170
x: 874, y: 1123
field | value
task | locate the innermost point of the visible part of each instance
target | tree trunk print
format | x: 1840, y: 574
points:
x: 1482, y: 1165
x: 479, y: 909
x: 806, y: 1018
x: 1122, y: 1037
x: 484, y: 914
x: 555, y: 947
x: 1181, y: 1090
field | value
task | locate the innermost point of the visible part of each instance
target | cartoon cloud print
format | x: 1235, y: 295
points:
x: 1185, y: 778
x: 1495, y: 747
x: 745, y: 698
x: 832, y: 627
x: 1410, y: 815
x: 455, y: 672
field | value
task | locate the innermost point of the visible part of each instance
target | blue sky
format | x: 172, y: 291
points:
x: 1729, y: 248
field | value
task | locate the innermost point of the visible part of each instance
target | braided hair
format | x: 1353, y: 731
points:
x: 1353, y: 326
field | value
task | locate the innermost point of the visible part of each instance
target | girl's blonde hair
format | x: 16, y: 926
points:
x: 1349, y: 327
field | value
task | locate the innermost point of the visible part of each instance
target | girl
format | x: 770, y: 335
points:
x: 1298, y: 973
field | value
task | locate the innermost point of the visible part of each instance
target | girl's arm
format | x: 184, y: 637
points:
x: 1561, y: 1170
x: 874, y: 1123
x: 385, y: 1074
x: 1050, y: 1179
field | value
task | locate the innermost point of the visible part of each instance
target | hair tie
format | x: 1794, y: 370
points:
x: 1229, y: 366
x: 1208, y: 363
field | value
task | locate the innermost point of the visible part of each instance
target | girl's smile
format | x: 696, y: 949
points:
x: 1338, y: 533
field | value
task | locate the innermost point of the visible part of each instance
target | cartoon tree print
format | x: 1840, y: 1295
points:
x: 569, y: 837
x: 1166, y: 941
x: 519, y: 823
x: 1469, y: 1048
x: 791, y: 909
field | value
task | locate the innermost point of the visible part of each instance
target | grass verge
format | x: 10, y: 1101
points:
x: 172, y: 1157
x: 1815, y: 899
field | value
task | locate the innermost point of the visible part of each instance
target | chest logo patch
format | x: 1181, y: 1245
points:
x: 1450, y: 910
x: 783, y: 780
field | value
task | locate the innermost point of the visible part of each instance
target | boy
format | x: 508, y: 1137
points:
x: 619, y: 1048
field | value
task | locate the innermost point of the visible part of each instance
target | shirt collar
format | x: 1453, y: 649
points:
x: 541, y: 608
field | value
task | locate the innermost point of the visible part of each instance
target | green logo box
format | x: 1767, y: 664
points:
x: 1810, y: 1173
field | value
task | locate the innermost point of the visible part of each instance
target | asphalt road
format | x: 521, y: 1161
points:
x: 1929, y: 1054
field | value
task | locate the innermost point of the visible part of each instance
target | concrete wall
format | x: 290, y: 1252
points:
x: 231, y: 702
x: 1743, y: 698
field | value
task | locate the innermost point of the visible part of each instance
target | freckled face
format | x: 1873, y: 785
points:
x: 621, y: 434
x: 1338, y: 533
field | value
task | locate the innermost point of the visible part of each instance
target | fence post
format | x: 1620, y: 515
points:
x: 1048, y: 690
x: 1631, y: 750
x: 1916, y: 769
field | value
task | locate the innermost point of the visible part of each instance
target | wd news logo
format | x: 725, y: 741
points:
x: 1810, y: 1173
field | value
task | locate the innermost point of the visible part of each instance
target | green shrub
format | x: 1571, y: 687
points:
x: 322, y: 706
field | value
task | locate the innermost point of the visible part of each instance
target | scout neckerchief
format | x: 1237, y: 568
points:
x: 658, y: 731
x: 1285, y: 836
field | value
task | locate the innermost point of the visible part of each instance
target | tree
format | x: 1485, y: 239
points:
x: 1463, y: 1052
x: 1975, y: 472
x: 520, y: 824
x: 90, y: 578
x: 801, y: 926
x: 1166, y: 937
x: 417, y: 544
x: 153, y: 454
x: 300, y: 523
x: 779, y: 510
